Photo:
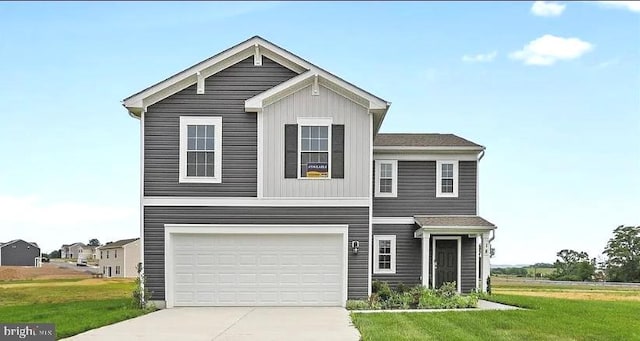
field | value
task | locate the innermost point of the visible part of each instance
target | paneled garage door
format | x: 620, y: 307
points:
x: 258, y: 269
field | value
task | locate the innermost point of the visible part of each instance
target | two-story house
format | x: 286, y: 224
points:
x: 265, y: 181
x: 119, y: 258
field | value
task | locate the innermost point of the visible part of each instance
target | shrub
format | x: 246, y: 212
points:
x: 419, y: 297
x: 402, y: 288
x: 357, y: 305
x: 382, y: 289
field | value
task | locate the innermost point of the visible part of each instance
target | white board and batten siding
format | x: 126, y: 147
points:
x: 356, y: 145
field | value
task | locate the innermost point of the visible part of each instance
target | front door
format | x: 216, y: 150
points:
x: 109, y: 270
x: 446, y: 261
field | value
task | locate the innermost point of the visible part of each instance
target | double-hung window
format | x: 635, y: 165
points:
x: 447, y: 179
x: 117, y: 269
x: 200, y: 149
x: 384, y: 254
x: 386, y: 178
x: 314, y: 148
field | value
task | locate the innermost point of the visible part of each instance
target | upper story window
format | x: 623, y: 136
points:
x: 115, y: 253
x: 200, y: 149
x: 107, y: 254
x: 384, y: 254
x: 100, y: 254
x: 447, y: 178
x: 386, y: 178
x: 314, y: 148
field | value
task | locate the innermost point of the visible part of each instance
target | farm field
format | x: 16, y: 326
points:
x: 74, y: 304
x: 554, y: 312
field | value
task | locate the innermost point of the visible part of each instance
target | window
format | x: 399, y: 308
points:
x: 314, y: 147
x: 117, y: 269
x: 115, y: 253
x: 447, y: 179
x: 107, y: 254
x: 384, y: 254
x: 200, y: 149
x: 100, y: 254
x: 386, y: 178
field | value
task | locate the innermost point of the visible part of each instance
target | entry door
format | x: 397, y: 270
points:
x: 109, y: 271
x: 446, y: 261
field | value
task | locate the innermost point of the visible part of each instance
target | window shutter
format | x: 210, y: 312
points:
x: 337, y: 151
x: 291, y: 151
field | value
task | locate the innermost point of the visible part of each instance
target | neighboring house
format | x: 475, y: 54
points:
x: 19, y: 253
x: 77, y: 250
x: 120, y: 258
x: 262, y: 185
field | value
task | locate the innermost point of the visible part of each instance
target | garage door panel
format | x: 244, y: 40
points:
x: 243, y: 269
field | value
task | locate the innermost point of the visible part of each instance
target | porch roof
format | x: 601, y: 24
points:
x: 452, y: 224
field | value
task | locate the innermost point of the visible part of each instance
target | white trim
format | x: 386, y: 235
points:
x: 439, y: 193
x: 200, y: 83
x: 477, y: 242
x: 260, y: 170
x: 440, y: 230
x: 478, y: 187
x: 142, y: 116
x: 314, y: 122
x: 394, y: 178
x: 172, y: 229
x: 257, y: 56
x: 394, y: 220
x: 315, y: 88
x: 230, y: 57
x: 432, y: 156
x: 370, y: 235
x: 433, y: 259
x: 425, y: 260
x: 256, y: 202
x: 486, y: 260
x: 216, y: 121
x: 376, y: 252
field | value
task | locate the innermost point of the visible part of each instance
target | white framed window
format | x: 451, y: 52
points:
x: 314, y: 147
x: 386, y: 178
x: 107, y: 254
x: 200, y: 149
x: 447, y: 178
x: 117, y: 269
x: 384, y: 254
x: 115, y: 253
x: 100, y: 254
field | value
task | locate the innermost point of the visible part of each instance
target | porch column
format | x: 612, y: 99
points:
x: 486, y: 260
x: 425, y: 258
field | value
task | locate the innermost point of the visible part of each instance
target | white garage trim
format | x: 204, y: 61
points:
x: 174, y: 229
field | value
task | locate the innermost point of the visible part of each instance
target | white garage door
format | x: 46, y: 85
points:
x: 262, y: 269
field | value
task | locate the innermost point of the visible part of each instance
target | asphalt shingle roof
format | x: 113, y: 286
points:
x: 451, y: 220
x: 422, y: 140
x: 118, y: 243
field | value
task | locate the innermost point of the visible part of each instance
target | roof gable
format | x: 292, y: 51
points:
x: 256, y: 47
x: 18, y: 240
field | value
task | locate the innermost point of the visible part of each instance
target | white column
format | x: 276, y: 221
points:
x: 486, y: 260
x: 477, y: 241
x: 425, y: 258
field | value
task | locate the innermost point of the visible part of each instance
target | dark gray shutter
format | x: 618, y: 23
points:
x: 291, y: 151
x: 337, y: 151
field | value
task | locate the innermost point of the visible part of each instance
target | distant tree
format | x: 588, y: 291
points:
x: 573, y: 266
x: 94, y: 242
x: 623, y: 255
x: 54, y: 254
x: 543, y: 266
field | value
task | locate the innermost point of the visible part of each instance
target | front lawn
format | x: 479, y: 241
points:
x: 547, y: 319
x: 73, y: 306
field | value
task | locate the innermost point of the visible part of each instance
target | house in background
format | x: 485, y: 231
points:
x: 19, y: 253
x: 120, y: 258
x: 78, y: 250
x: 266, y: 181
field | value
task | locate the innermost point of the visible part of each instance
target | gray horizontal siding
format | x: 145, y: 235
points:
x: 417, y: 192
x: 468, y: 272
x: 23, y: 254
x: 155, y: 217
x: 408, y: 255
x: 225, y: 93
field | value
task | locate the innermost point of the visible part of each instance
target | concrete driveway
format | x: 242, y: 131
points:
x: 222, y: 323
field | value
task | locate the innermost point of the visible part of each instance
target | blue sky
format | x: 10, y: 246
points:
x: 552, y: 91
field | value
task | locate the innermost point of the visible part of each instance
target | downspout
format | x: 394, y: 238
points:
x: 481, y: 155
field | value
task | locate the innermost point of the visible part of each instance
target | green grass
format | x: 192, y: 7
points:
x: 546, y: 319
x: 73, y: 306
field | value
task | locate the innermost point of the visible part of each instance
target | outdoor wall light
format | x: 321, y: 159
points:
x: 354, y: 246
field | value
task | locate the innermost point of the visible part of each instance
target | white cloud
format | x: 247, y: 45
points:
x: 547, y: 9
x: 549, y: 49
x: 633, y: 6
x: 50, y: 224
x: 480, y: 58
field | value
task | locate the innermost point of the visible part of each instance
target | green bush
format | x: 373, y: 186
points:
x: 357, y: 305
x: 446, y: 297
